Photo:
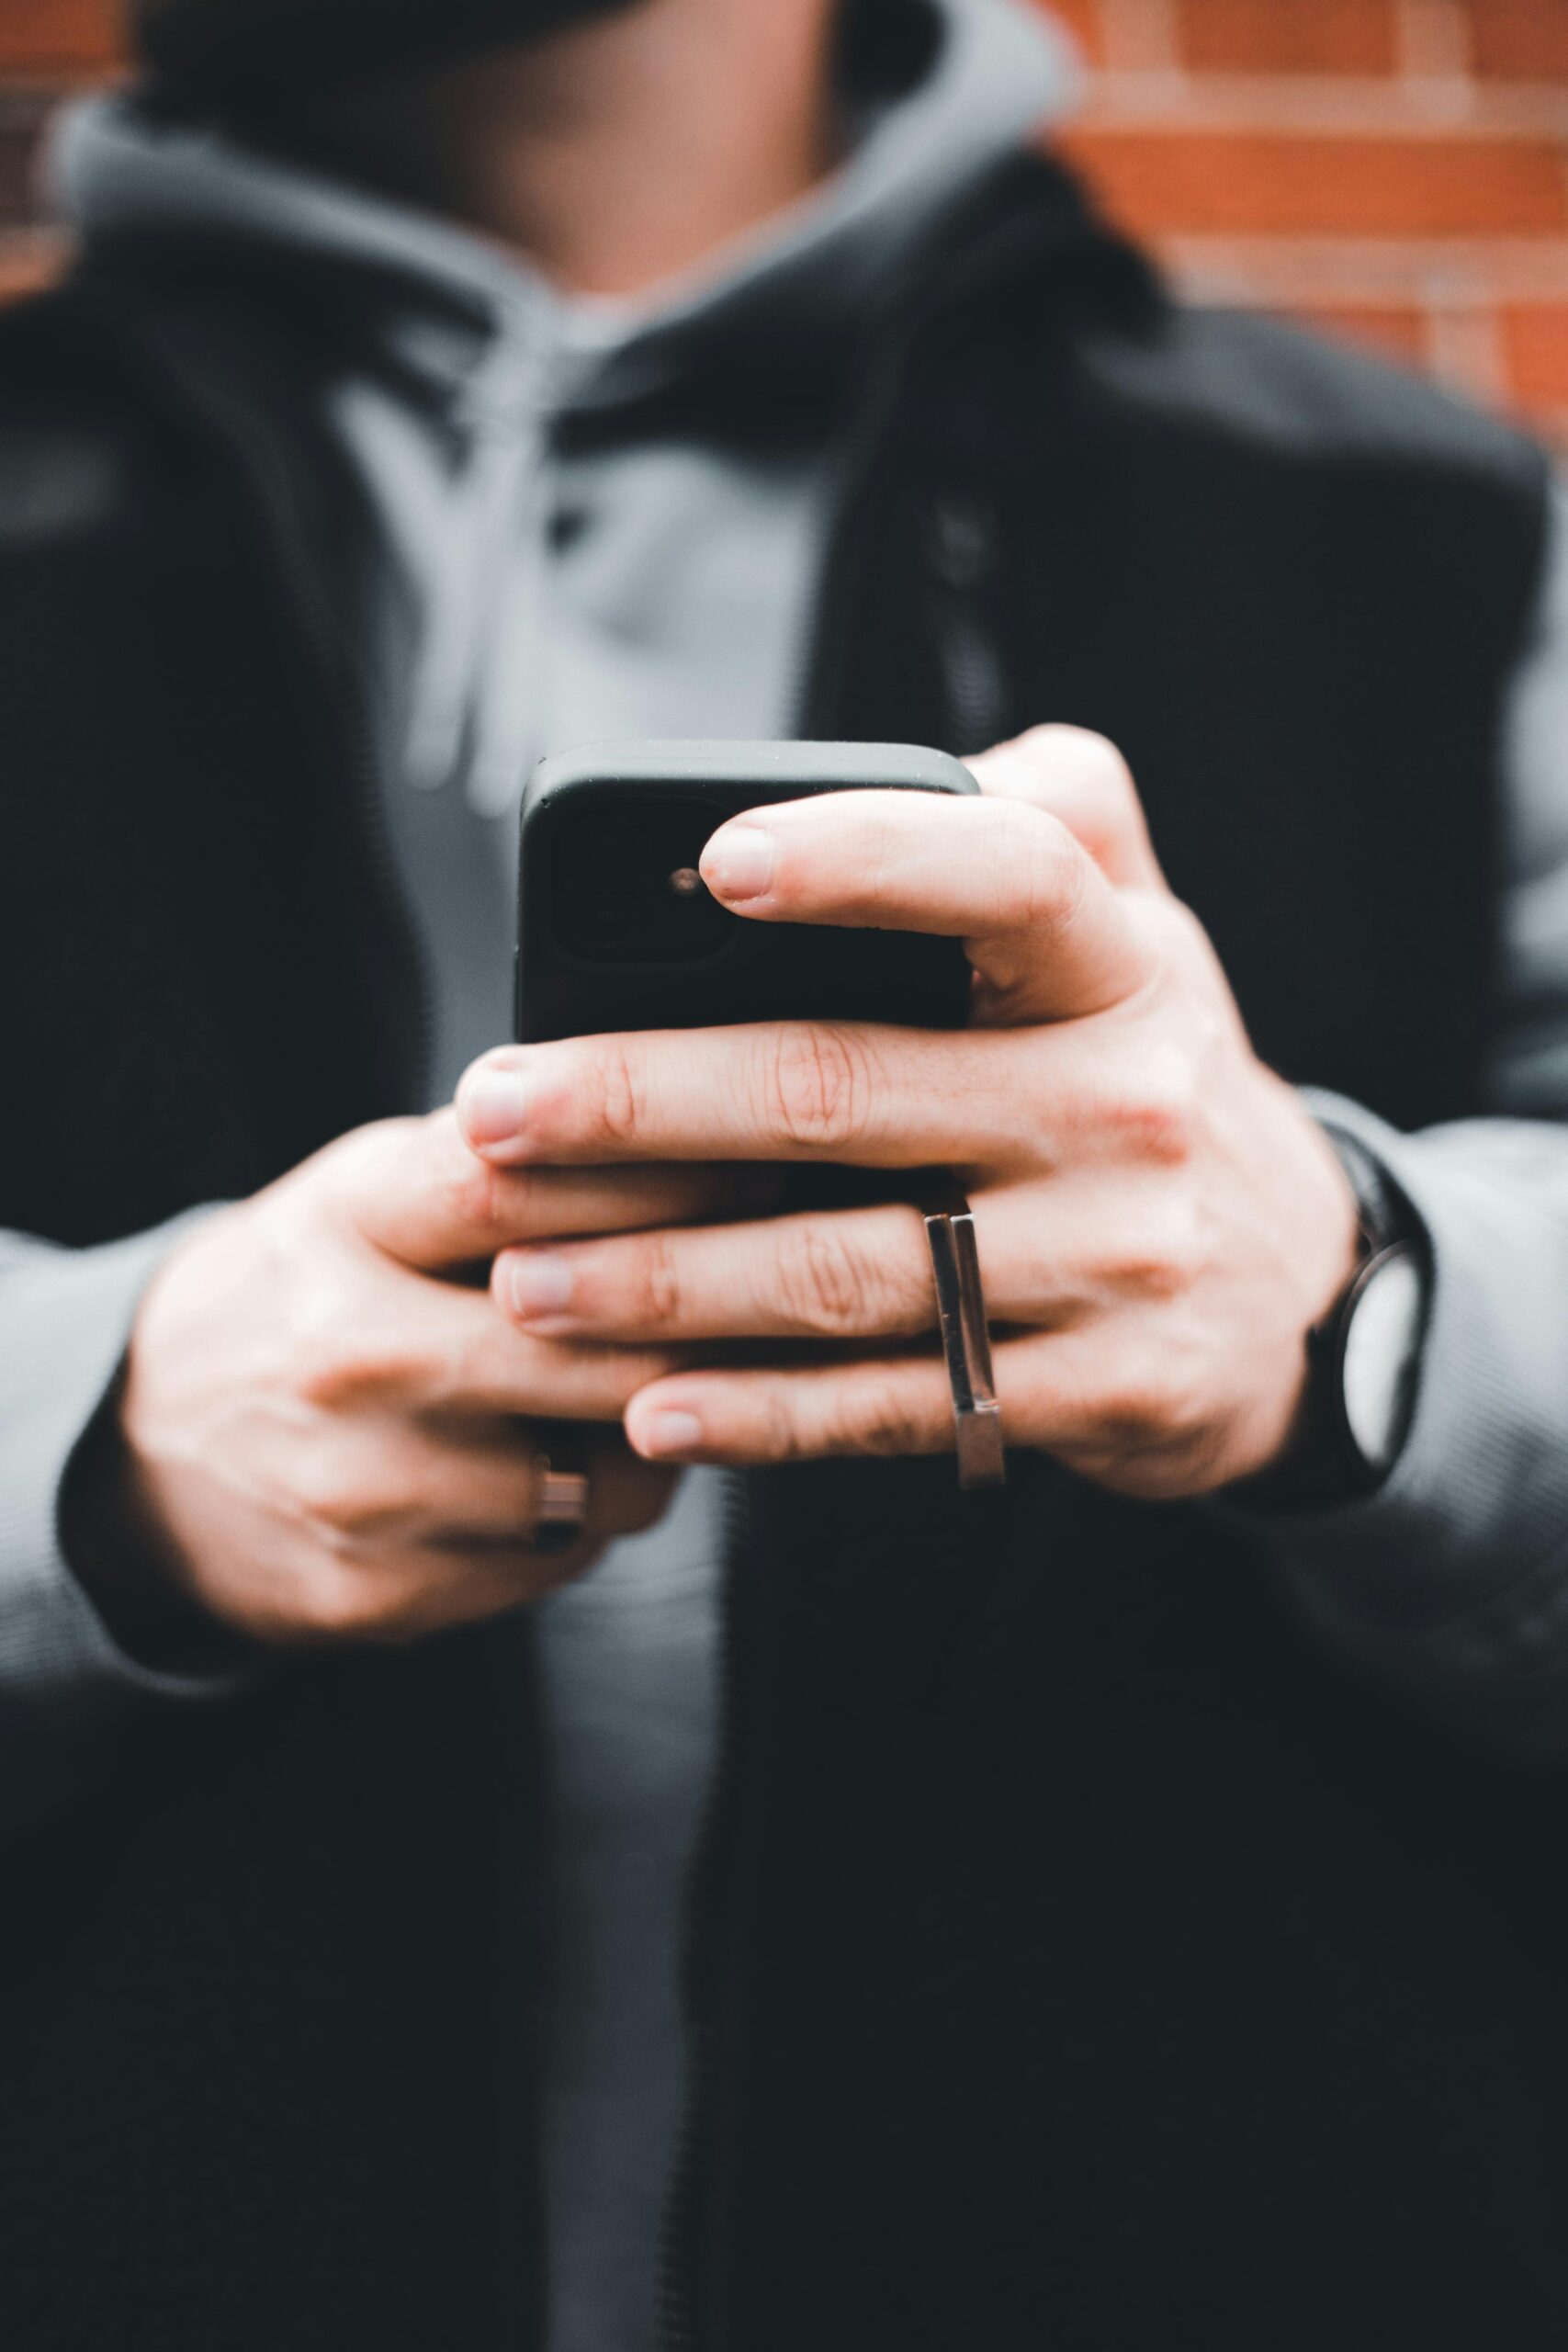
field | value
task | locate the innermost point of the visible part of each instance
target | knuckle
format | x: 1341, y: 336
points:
x: 1192, y: 980
x: 825, y: 1281
x: 456, y: 1362
x: 1162, y: 1261
x: 331, y: 1604
x: 322, y: 1349
x: 1131, y: 1412
x: 313, y: 1487
x: 1081, y: 759
x: 335, y: 1376
x: 1050, y: 876
x: 467, y: 1195
x: 1082, y: 778
x: 333, y: 1502
x: 1155, y: 1114
x: 660, y: 1292
x: 1181, y: 937
x: 882, y: 1421
x: 326, y: 1375
x: 1103, y: 767
x: 615, y: 1104
x: 816, y: 1083
x: 1197, y: 1457
x: 1156, y: 1405
x: 780, y: 1434
x: 344, y: 1167
x: 1033, y: 877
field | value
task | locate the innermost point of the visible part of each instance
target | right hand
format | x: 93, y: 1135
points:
x: 324, y: 1419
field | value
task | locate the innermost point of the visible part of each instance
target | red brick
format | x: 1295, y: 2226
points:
x: 1247, y: 184
x: 1397, y: 330
x: 1288, y: 35
x: 1520, y: 41
x: 1535, y: 342
x: 42, y: 37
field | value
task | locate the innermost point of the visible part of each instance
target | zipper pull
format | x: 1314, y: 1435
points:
x: 961, y: 543
x: 961, y: 537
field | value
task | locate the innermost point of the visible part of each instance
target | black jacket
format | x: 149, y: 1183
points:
x: 1081, y: 1957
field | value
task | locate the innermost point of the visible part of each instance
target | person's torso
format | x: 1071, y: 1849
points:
x: 1038, y: 1813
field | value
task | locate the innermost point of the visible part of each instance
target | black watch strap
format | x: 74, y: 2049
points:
x: 1346, y: 1469
x: 1385, y: 1213
x: 1330, y: 1467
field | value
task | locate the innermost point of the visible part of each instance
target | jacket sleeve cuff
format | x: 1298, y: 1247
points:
x: 1453, y: 1575
x: 65, y: 1319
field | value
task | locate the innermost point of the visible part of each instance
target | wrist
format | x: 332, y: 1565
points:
x: 1362, y: 1355
x: 114, y: 1546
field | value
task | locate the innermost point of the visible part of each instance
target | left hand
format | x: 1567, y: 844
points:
x: 1159, y: 1220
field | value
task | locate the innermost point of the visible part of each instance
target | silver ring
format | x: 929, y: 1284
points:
x: 561, y: 1507
x: 965, y: 1337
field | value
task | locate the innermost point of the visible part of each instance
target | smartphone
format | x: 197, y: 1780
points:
x: 616, y: 930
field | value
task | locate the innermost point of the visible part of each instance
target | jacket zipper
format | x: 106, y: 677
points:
x: 850, y: 474
x: 957, y: 531
x: 961, y: 545
x: 679, y: 2257
x: 675, y: 2281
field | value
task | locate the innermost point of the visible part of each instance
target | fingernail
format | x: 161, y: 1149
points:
x: 538, y: 1283
x: 671, y: 1432
x: 494, y: 1106
x: 739, y: 862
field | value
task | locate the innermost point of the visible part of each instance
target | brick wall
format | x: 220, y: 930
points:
x: 1393, y: 169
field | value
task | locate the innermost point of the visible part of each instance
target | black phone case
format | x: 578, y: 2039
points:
x: 758, y: 971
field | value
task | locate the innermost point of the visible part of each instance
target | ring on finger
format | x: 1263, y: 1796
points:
x: 560, y: 1505
x: 965, y: 1334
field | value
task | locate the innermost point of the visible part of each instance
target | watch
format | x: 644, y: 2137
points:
x: 1365, y: 1355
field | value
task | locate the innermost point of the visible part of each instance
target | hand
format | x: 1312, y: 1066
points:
x: 1159, y: 1221
x: 320, y: 1425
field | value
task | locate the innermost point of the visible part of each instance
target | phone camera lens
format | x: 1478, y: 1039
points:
x: 627, y: 886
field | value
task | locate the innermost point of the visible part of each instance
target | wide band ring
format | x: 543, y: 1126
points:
x: 560, y: 1507
x: 965, y: 1337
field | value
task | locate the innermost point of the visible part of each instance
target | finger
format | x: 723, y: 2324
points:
x: 820, y: 1276
x: 829, y: 1275
x: 391, y: 1482
x: 363, y: 1588
x: 416, y: 1191
x: 1039, y: 920
x: 870, y: 1094
x: 892, y: 1405
x: 625, y: 1494
x: 1082, y: 780
x: 450, y: 1353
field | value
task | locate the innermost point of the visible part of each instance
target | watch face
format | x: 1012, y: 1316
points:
x: 1383, y: 1344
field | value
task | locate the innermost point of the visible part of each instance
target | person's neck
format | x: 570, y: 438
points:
x: 616, y: 154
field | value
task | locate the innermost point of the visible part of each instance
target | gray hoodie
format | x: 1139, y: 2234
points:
x: 521, y: 599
